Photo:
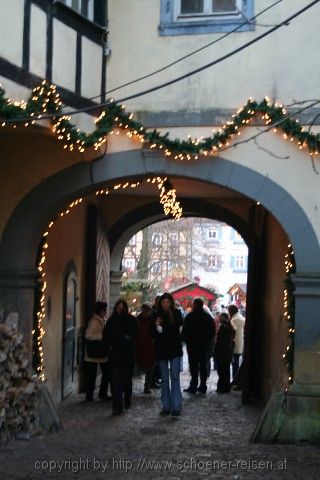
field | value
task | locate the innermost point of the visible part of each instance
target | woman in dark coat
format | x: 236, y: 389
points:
x: 223, y: 352
x: 165, y: 328
x: 119, y: 334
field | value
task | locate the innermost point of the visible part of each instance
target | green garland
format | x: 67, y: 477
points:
x: 46, y: 100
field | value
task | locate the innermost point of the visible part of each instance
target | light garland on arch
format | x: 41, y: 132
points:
x: 168, y: 199
x: 289, y: 308
x: 168, y: 194
x: 38, y: 331
x: 113, y: 118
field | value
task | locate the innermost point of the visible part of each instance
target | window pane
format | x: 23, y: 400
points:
x: 213, y: 232
x: 84, y: 7
x: 224, y: 5
x: 191, y: 6
x: 76, y: 4
x: 70, y: 304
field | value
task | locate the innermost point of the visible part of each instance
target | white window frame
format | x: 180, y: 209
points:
x: 129, y: 263
x: 207, y: 12
x: 239, y: 262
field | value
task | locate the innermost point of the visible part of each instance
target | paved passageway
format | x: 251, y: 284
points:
x: 209, y: 440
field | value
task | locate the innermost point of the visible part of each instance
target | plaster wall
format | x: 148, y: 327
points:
x: 276, y: 65
x: 64, y: 58
x: 66, y: 243
x: 275, y: 328
x: 27, y: 158
x: 266, y: 68
x: 14, y: 90
x: 274, y: 157
x: 11, y: 19
x: 91, y: 68
x: 38, y: 41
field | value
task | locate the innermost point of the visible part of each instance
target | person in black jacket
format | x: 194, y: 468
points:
x: 198, y: 332
x: 165, y: 328
x: 223, y: 351
x: 119, y: 334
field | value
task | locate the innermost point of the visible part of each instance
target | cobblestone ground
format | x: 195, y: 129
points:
x: 209, y: 440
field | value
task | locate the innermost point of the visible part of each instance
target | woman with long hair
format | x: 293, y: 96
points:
x: 223, y: 351
x: 165, y: 328
x: 119, y: 334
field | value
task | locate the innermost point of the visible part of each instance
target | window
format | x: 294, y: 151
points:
x: 173, y: 238
x: 188, y: 17
x: 212, y: 261
x: 213, y: 233
x: 129, y: 264
x: 155, y: 267
x: 207, y: 7
x: 85, y: 7
x: 94, y: 10
x: 172, y: 264
x: 239, y: 263
x: 156, y: 239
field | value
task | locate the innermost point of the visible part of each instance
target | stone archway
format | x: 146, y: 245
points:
x: 21, y: 236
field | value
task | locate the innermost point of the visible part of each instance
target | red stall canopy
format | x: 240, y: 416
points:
x: 186, y: 293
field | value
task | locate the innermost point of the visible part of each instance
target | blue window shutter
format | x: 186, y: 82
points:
x: 219, y: 233
x: 232, y: 234
x: 232, y: 261
x: 246, y: 263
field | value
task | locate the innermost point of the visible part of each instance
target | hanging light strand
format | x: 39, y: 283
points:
x: 289, y: 308
x: 171, y: 207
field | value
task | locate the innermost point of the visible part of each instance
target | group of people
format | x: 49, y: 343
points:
x: 154, y: 341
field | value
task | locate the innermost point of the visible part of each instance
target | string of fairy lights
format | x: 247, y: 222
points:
x: 45, y: 103
x: 288, y: 307
x: 170, y: 206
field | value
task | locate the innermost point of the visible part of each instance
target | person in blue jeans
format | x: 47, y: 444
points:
x: 165, y: 329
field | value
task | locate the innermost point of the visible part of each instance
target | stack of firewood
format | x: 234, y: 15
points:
x: 19, y: 390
